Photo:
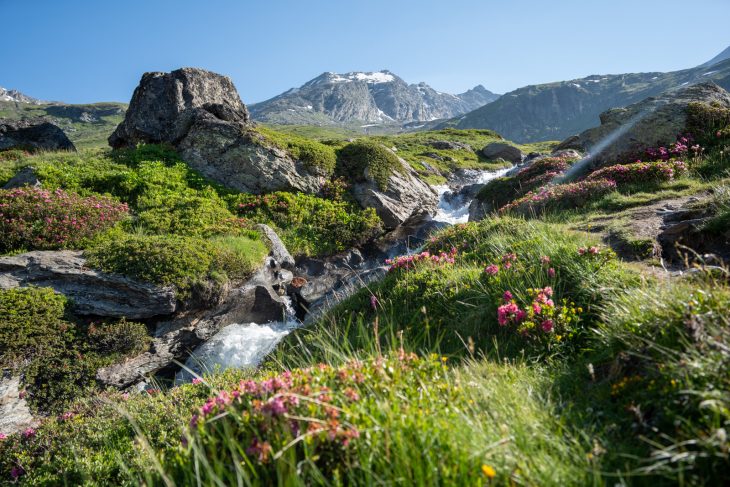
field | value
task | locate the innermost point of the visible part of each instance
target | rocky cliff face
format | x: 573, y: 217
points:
x: 554, y: 111
x: 379, y: 97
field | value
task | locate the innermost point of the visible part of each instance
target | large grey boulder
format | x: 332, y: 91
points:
x: 406, y: 195
x: 502, y: 150
x: 241, y: 159
x: 626, y: 133
x: 202, y: 116
x: 278, y: 250
x: 25, y: 177
x: 161, y: 99
x: 33, y: 134
x: 92, y: 292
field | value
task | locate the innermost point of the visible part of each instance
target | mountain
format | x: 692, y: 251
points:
x: 86, y: 125
x: 371, y: 98
x: 18, y: 97
x: 554, y: 111
x: 719, y: 58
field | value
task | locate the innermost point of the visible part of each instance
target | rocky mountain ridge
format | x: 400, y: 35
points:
x: 554, y: 111
x: 366, y: 97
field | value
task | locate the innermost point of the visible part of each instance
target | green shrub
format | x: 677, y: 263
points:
x: 32, y: 323
x: 709, y: 124
x: 176, y: 260
x: 47, y: 346
x: 310, y: 225
x: 357, y: 158
x: 316, y: 156
x: 122, y: 337
x: 559, y: 197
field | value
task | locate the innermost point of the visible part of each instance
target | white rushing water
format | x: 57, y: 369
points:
x: 242, y: 345
x: 456, y: 210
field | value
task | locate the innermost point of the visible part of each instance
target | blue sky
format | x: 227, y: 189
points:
x: 93, y: 50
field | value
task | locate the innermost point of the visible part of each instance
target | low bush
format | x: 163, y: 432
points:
x: 310, y: 225
x: 501, y: 191
x: 32, y: 218
x: 560, y: 196
x: 56, y: 356
x: 640, y: 172
x: 316, y: 156
x: 708, y: 123
x: 176, y: 260
x: 357, y: 158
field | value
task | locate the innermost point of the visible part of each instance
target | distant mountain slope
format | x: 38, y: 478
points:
x: 719, y: 58
x: 86, y: 125
x: 554, y: 111
x: 16, y: 96
x: 371, y: 98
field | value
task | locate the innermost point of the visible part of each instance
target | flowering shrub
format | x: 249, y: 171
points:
x: 409, y: 261
x: 317, y: 414
x: 501, y: 191
x: 710, y: 123
x: 639, y: 172
x: 571, y: 195
x: 683, y: 147
x: 32, y: 218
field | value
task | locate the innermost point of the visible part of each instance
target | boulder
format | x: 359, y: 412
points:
x: 448, y: 145
x: 161, y: 99
x: 33, y: 134
x: 92, y: 292
x: 502, y: 150
x: 572, y: 142
x: 279, y: 251
x: 202, y: 116
x: 15, y: 414
x: 406, y: 195
x: 241, y: 159
x: 567, y: 154
x: 626, y: 133
x: 24, y: 177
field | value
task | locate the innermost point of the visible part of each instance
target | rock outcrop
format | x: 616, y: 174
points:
x: 174, y: 340
x: 626, y: 133
x: 406, y: 196
x: 33, y: 134
x: 161, y: 101
x: 15, y: 414
x: 504, y: 151
x: 25, y: 177
x: 201, y: 114
x: 92, y: 292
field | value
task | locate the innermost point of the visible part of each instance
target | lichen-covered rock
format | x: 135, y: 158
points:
x: 15, y: 414
x: 626, y: 133
x: 33, y: 134
x: 405, y: 195
x: 161, y: 99
x: 240, y: 159
x: 91, y: 292
x: 25, y: 177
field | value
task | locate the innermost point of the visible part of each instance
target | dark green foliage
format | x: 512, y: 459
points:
x: 316, y: 156
x: 710, y: 125
x: 310, y: 225
x: 58, y: 356
x: 176, y: 260
x: 360, y: 156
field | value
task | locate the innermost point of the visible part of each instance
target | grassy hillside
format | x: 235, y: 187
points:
x: 88, y: 126
x: 530, y: 348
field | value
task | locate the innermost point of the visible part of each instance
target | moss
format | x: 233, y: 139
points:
x: 176, y: 260
x: 316, y: 156
x: 357, y: 158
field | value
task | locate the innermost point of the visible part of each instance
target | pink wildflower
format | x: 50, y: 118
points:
x: 29, y: 433
x: 547, y: 326
x: 507, y: 296
x: 492, y: 269
x: 544, y: 260
x: 197, y: 380
x: 373, y: 302
x: 551, y: 272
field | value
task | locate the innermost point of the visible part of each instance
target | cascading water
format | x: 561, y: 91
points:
x: 455, y: 209
x: 246, y: 344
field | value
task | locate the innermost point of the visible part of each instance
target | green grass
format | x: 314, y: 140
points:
x: 316, y: 156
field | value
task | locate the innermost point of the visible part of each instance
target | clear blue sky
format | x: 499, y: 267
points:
x: 96, y: 50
